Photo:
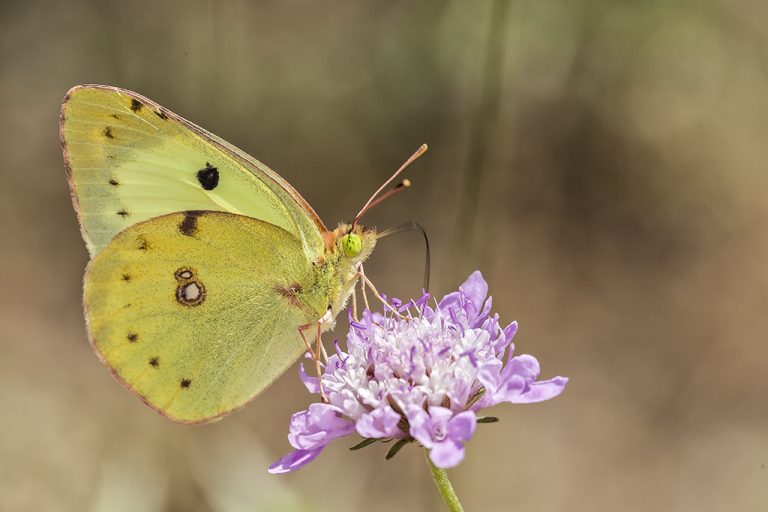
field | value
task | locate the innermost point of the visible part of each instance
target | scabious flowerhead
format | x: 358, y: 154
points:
x: 419, y: 376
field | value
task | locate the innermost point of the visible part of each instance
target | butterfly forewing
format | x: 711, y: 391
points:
x: 130, y: 160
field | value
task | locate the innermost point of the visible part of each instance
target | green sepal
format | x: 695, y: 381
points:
x: 396, y: 447
x: 474, y: 398
x: 362, y: 444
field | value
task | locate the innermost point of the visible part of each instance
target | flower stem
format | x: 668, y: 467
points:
x: 444, y: 487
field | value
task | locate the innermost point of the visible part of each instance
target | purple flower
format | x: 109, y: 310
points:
x: 420, y: 377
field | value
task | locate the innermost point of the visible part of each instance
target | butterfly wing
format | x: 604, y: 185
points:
x: 198, y: 312
x: 129, y: 159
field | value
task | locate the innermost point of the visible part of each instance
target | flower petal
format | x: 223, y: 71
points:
x: 440, y: 414
x: 311, y: 383
x: 509, y: 336
x: 317, y: 426
x: 379, y: 423
x: 294, y: 461
x: 509, y: 390
x: 489, y: 374
x: 526, y: 366
x: 327, y: 417
x: 462, y: 426
x: 446, y: 454
x: 420, y: 425
x: 510, y: 331
x: 450, y: 301
x: 475, y: 289
x: 541, y: 391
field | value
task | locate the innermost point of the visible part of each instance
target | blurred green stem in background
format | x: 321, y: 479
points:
x: 444, y: 487
x: 484, y: 120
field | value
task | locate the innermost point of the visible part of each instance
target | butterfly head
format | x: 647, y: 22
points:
x: 354, y: 243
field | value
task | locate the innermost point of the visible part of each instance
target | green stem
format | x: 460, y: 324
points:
x: 444, y: 487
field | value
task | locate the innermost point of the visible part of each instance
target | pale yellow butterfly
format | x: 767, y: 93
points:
x: 207, y: 267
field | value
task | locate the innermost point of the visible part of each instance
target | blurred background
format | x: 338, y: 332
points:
x: 603, y: 163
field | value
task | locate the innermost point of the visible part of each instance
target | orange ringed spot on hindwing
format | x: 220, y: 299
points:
x: 184, y: 274
x: 190, y: 294
x: 190, y: 291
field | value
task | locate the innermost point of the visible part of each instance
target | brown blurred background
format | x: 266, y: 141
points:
x: 603, y: 163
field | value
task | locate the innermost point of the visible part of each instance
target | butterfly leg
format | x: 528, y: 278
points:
x: 361, y: 277
x: 364, y: 281
x: 319, y: 350
x: 307, y: 344
x: 354, y: 304
x: 315, y: 357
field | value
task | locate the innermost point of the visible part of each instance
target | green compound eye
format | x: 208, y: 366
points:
x: 352, y: 245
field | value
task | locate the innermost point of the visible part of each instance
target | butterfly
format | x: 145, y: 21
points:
x: 210, y: 275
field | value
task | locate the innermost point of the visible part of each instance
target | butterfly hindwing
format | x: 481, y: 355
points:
x: 197, y: 312
x: 130, y: 160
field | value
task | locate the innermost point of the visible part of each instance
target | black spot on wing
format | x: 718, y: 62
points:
x: 114, y: 182
x: 208, y: 177
x: 188, y: 225
x: 154, y: 362
x: 126, y: 277
x: 142, y: 242
x: 123, y: 213
x: 161, y: 114
x: 133, y: 337
x: 136, y: 105
x: 114, y: 116
x: 185, y: 383
x: 108, y: 132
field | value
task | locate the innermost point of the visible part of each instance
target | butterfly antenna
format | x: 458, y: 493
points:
x: 373, y: 201
x: 411, y: 226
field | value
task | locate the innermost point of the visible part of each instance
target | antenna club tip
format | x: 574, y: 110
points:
x: 405, y: 183
x: 423, y: 148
